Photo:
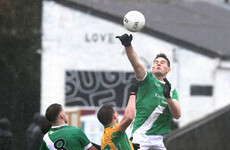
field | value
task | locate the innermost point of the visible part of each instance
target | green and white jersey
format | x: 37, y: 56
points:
x: 153, y: 116
x: 65, y: 138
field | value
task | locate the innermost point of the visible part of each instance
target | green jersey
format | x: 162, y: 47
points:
x: 65, y: 138
x: 153, y: 116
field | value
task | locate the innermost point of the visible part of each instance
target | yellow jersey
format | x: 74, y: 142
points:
x: 113, y: 139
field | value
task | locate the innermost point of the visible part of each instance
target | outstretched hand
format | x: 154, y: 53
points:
x: 167, y: 89
x: 125, y: 39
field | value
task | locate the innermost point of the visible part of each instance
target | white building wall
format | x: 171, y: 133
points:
x: 222, y: 85
x: 73, y: 40
x: 195, y: 69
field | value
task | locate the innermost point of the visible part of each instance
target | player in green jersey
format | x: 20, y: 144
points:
x: 156, y: 103
x: 61, y: 136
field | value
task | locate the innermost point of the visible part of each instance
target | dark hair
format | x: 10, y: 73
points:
x: 105, y: 114
x: 45, y: 126
x: 163, y: 56
x: 52, y: 112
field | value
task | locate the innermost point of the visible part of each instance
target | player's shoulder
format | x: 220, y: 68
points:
x: 113, y: 127
x: 114, y: 130
x: 73, y: 129
x: 146, y: 77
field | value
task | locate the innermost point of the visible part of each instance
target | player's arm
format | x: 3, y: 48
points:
x: 173, y: 105
x: 174, y: 108
x: 139, y: 69
x: 129, y: 114
x: 92, y: 148
x: 130, y: 109
x: 98, y: 147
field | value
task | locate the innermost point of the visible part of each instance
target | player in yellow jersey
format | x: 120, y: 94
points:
x: 114, y: 137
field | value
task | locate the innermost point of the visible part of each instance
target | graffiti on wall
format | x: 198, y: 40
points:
x: 88, y: 88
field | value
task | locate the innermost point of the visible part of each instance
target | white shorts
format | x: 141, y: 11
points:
x: 149, y: 142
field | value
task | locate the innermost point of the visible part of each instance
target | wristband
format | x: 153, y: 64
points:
x: 132, y: 93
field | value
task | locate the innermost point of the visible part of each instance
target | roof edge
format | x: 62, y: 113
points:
x: 163, y: 36
x: 190, y: 127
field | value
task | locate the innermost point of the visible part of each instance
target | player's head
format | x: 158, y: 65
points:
x: 55, y: 113
x: 161, y: 65
x: 106, y: 115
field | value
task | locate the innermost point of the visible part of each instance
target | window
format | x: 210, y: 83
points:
x: 201, y: 90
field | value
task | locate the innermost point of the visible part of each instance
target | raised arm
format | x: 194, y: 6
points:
x: 130, y: 109
x: 173, y: 105
x: 139, y: 69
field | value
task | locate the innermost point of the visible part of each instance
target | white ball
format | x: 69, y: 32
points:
x: 134, y: 21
